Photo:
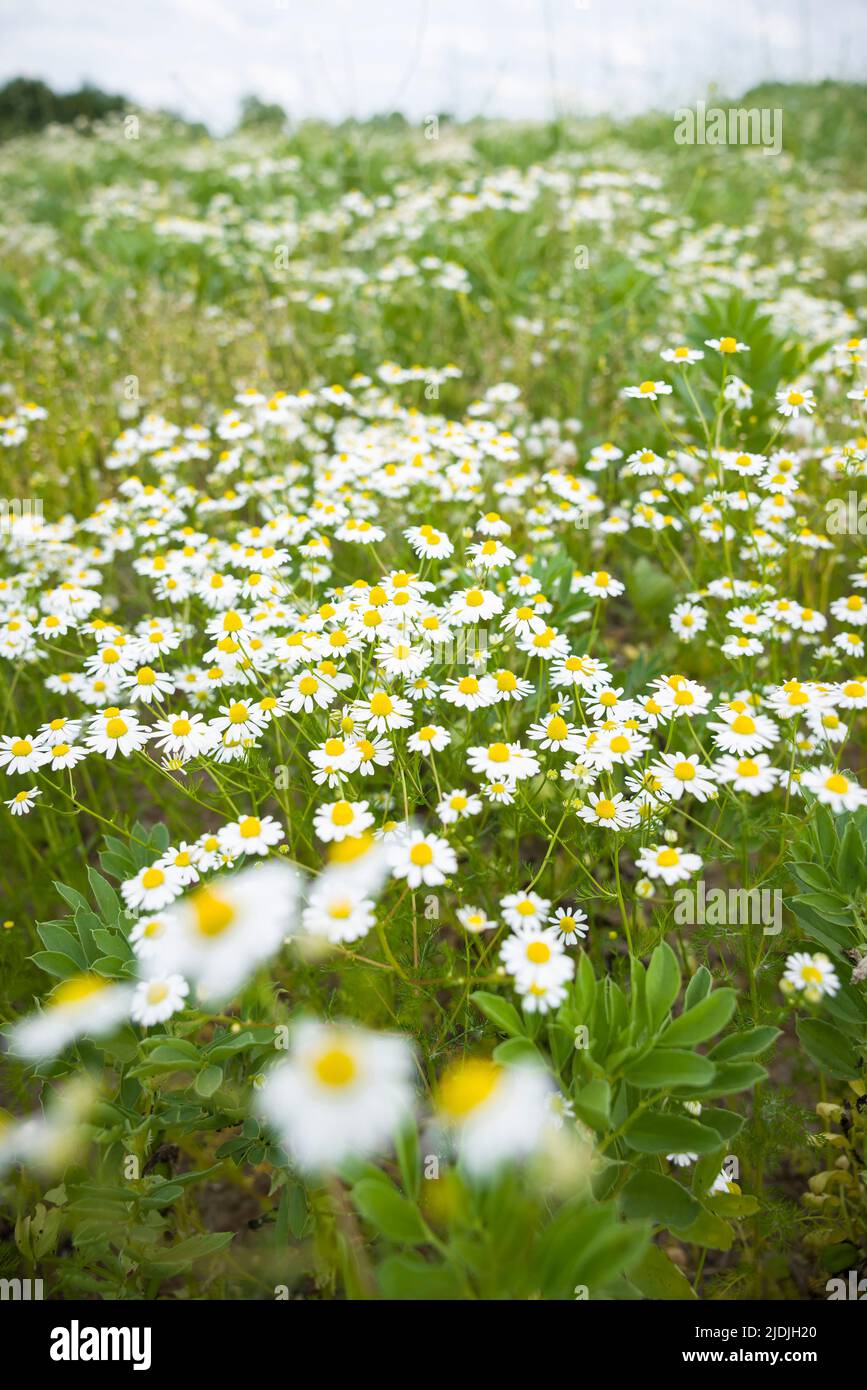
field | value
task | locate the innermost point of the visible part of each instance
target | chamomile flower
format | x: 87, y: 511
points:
x: 503, y: 761
x: 458, y: 805
x: 570, y: 922
x: 153, y: 888
x: 792, y: 401
x: 342, y: 1092
x: 422, y: 859
x: 250, y: 835
x: 752, y: 773
x: 495, y: 1114
x: 430, y: 738
x: 23, y: 754
x: 609, y: 812
x: 475, y: 920
x: 834, y: 789
x: 157, y: 998
x: 220, y: 932
x: 341, y: 820
x: 814, y: 974
x: 84, y: 1003
x: 679, y: 773
x: 668, y: 862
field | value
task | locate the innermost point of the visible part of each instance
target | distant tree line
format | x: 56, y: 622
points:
x: 28, y: 104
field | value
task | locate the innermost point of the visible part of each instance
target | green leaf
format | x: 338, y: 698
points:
x: 593, y: 1104
x: 708, y: 1230
x: 663, y: 983
x: 658, y: 1277
x: 60, y: 940
x: 736, y: 1076
x: 410, y: 1277
x: 660, y: 1198
x: 208, y: 1081
x: 391, y: 1214
x: 746, y: 1044
x: 516, y: 1050
x: 501, y: 1013
x: 829, y: 1049
x: 162, y: 1196
x: 176, y: 1258
x: 665, y: 1066
x: 55, y: 963
x: 106, y: 899
x: 657, y: 1132
x: 813, y: 876
x: 726, y: 1123
x: 733, y: 1204
x: 698, y: 987
x: 851, y: 869
x: 701, y: 1022
x: 407, y: 1149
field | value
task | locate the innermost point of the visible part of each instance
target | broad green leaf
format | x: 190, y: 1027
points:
x: 662, y: 1199
x: 389, y: 1212
x: 665, y: 1066
x: 658, y: 1277
x: 702, y: 1021
x: 208, y: 1081
x: 663, y: 983
x: 698, y: 987
x: 747, y: 1044
x: 658, y: 1132
x: 593, y: 1104
x: 708, y: 1230
x: 829, y: 1049
x: 501, y: 1013
x: 410, y: 1277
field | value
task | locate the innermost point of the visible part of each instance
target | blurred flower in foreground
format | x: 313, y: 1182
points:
x: 495, y: 1113
x: 82, y: 1004
x: 220, y: 933
x: 49, y: 1139
x: 342, y: 1092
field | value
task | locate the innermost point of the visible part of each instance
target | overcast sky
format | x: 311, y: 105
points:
x: 519, y: 58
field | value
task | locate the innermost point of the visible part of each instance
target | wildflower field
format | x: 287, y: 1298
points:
x: 433, y: 601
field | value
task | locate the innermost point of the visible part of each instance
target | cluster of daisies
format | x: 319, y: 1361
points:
x: 374, y: 599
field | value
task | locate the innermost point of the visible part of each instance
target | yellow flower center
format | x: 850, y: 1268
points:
x: 538, y: 952
x: 335, y: 1068
x: 467, y: 1086
x: 837, y: 783
x: 213, y: 914
x: 76, y: 989
x: 744, y: 724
